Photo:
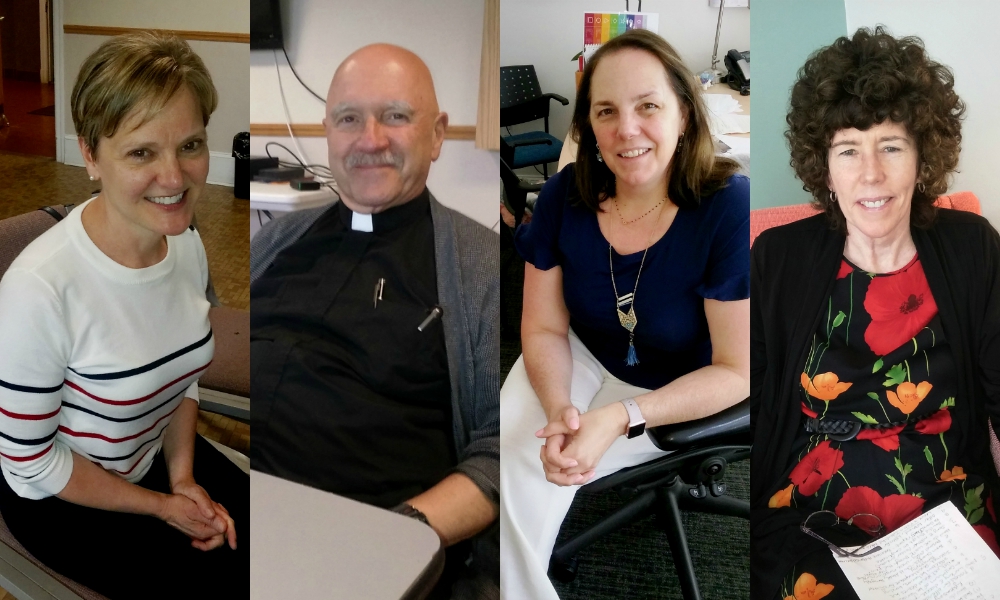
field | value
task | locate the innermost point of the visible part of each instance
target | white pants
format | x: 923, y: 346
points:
x: 531, y: 508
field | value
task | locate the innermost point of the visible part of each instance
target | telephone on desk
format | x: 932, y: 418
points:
x: 738, y: 64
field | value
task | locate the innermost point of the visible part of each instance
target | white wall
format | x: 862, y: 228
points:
x: 226, y: 61
x: 547, y: 33
x: 446, y: 34
x: 961, y: 35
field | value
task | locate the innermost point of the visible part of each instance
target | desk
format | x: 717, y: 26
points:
x: 312, y: 545
x: 568, y: 154
x: 281, y: 198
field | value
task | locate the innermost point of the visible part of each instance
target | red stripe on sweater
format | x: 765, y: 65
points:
x: 137, y: 400
x: 14, y: 415
x: 98, y: 436
x: 26, y: 458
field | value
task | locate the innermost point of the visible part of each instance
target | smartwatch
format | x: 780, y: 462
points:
x: 636, y: 424
x: 407, y: 510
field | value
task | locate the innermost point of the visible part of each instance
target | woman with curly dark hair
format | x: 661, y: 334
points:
x: 636, y: 290
x: 875, y: 327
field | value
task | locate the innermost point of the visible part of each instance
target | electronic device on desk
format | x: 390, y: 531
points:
x: 738, y: 64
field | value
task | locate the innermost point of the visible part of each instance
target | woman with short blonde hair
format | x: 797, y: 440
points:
x: 104, y: 332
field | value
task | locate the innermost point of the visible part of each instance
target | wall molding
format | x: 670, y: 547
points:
x: 453, y: 132
x: 221, y: 166
x: 205, y: 36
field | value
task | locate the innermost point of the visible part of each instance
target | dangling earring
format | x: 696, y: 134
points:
x: 833, y: 197
x: 921, y: 187
x: 600, y: 158
x: 680, y: 143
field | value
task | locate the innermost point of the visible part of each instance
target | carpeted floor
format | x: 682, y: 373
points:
x: 634, y: 562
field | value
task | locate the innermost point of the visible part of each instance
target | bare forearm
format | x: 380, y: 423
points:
x: 549, y: 364
x: 456, y: 508
x: 92, y: 486
x: 698, y: 394
x: 178, y: 442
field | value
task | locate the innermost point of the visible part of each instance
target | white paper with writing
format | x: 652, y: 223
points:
x: 937, y: 556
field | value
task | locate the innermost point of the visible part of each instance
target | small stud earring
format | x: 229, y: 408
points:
x: 92, y: 178
x: 600, y: 158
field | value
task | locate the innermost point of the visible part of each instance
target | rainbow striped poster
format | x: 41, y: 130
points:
x: 601, y: 27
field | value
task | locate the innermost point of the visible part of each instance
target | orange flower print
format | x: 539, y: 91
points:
x: 807, y: 588
x: 824, y: 386
x: 954, y: 474
x: 781, y: 498
x: 908, y: 396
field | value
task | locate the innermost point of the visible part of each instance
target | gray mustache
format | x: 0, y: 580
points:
x: 373, y: 160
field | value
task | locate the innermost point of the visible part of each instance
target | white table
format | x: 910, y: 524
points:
x: 308, y: 544
x: 281, y: 198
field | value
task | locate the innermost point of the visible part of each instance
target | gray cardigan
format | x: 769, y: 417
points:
x: 466, y: 255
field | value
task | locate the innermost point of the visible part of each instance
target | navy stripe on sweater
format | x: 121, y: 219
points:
x: 145, y: 368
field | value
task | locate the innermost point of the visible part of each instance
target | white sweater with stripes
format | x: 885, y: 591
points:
x: 95, y: 357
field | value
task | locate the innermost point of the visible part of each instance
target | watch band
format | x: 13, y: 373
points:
x: 636, y: 423
x: 407, y: 510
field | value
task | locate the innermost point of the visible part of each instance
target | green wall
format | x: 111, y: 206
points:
x: 783, y: 33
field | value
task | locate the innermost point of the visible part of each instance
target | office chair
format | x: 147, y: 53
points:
x: 515, y: 190
x: 522, y: 101
x: 690, y: 479
x: 224, y: 388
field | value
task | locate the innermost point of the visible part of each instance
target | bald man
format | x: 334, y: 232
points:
x: 374, y: 347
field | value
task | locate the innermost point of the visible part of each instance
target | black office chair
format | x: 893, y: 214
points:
x: 515, y: 190
x: 522, y: 101
x: 690, y: 478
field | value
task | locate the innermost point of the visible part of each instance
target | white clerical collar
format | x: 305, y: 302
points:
x: 360, y: 222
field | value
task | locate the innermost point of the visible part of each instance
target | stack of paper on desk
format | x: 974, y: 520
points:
x: 937, y: 556
x: 722, y: 116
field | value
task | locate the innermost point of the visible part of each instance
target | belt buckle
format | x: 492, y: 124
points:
x: 845, y: 437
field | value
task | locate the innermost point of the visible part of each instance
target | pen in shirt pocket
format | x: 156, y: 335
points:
x: 435, y: 313
x: 379, y: 287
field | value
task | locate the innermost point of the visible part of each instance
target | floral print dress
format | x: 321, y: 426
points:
x: 879, y: 357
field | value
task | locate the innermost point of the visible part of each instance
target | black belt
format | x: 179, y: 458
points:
x: 843, y: 431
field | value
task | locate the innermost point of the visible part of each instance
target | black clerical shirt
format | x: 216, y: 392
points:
x: 346, y: 394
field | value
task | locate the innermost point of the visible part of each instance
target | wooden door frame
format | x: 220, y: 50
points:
x: 59, y: 77
x: 44, y: 32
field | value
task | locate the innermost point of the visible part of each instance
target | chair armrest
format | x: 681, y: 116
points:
x: 541, y: 139
x: 230, y: 369
x: 731, y: 423
x: 561, y: 99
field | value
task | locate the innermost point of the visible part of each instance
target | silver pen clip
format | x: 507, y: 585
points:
x: 436, y: 312
x: 379, y: 286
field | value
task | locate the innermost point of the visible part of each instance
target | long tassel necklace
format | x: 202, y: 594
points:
x: 628, y: 320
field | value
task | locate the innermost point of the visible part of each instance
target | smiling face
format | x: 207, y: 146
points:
x: 637, y: 119
x: 383, y: 127
x: 153, y: 174
x: 874, y: 173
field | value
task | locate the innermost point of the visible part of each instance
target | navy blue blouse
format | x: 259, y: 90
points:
x: 704, y: 255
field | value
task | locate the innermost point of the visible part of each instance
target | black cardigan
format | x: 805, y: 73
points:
x: 792, y: 272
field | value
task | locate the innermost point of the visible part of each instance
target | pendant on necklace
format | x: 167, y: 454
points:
x: 628, y: 321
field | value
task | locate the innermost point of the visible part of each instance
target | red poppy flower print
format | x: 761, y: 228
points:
x: 808, y: 411
x: 845, y: 270
x: 816, y: 468
x: 894, y: 511
x: 900, y: 305
x: 989, y: 508
x: 886, y: 439
x: 989, y: 536
x: 937, y: 423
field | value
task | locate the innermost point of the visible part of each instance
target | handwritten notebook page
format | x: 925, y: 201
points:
x: 937, y: 556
